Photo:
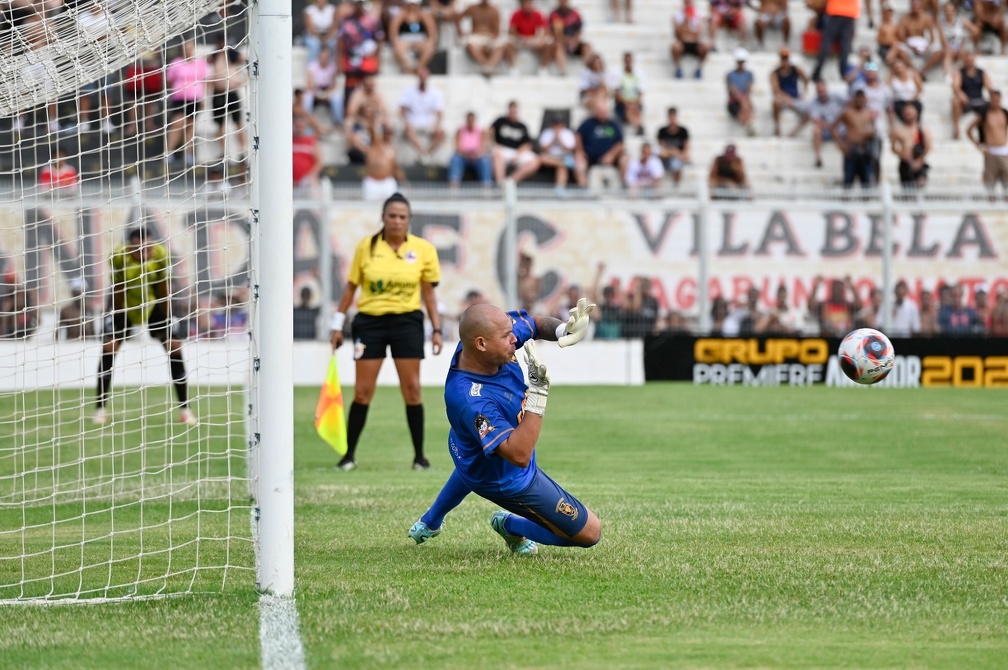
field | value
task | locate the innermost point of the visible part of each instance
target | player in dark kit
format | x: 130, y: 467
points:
x: 495, y: 421
x: 140, y: 295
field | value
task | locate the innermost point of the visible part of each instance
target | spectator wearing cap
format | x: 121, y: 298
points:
x: 839, y: 22
x: 727, y: 176
x: 858, y: 141
x: 789, y: 83
x: 878, y: 97
x: 688, y: 28
x: 674, y: 146
x: 740, y: 83
x: 968, y: 85
x: 822, y: 110
x: 773, y: 14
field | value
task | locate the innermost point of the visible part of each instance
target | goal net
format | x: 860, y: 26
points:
x: 126, y: 392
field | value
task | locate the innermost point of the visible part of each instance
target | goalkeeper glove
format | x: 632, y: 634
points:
x: 538, y: 381
x: 576, y: 327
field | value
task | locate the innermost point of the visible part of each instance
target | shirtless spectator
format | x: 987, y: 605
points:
x: 822, y: 110
x: 991, y: 138
x: 566, y: 25
x: 858, y: 142
x: 928, y: 314
x: 911, y: 143
x: 687, y: 26
x: 300, y: 112
x: 307, y: 157
x: 789, y: 85
x: 968, y: 85
x: 989, y: 16
x: 513, y: 147
x: 919, y: 37
x: 728, y: 14
x: 358, y: 135
x: 382, y: 174
x: 956, y: 29
x: 772, y: 14
x: 674, y: 146
x: 835, y: 314
x: 528, y: 30
x: 484, y: 43
x: 413, y: 36
x: 887, y: 37
x: 421, y: 108
x: 727, y: 177
x: 367, y: 95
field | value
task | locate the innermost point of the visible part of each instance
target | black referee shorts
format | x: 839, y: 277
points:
x: 374, y: 335
x: 118, y: 327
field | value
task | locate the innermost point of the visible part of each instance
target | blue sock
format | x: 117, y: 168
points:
x: 517, y: 525
x: 451, y: 496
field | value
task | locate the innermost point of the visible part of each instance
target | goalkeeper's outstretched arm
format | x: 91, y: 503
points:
x: 568, y: 332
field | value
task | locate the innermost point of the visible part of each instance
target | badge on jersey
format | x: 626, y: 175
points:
x: 565, y: 508
x: 358, y: 349
x: 410, y: 256
x: 482, y: 426
x: 475, y: 389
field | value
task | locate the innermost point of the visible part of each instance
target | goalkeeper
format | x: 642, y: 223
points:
x: 140, y: 274
x: 495, y: 421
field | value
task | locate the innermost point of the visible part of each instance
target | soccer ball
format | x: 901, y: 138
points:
x: 866, y: 355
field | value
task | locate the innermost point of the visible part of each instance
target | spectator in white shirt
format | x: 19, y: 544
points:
x: 646, y: 172
x: 905, y: 315
x: 320, y: 27
x: 556, y: 150
x: 323, y: 86
x: 421, y: 108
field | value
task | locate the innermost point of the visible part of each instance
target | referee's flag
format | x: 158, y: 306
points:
x: 330, y: 422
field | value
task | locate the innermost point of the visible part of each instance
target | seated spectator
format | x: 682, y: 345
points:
x: 358, y: 47
x: 186, y: 77
x: 905, y: 320
x: 999, y: 315
x: 320, y: 27
x: 367, y: 93
x: 718, y: 314
x: 789, y: 84
x: 781, y: 319
x: 472, y: 152
x: 957, y: 318
x: 76, y: 320
x: 629, y: 96
x: 421, y: 108
x: 688, y: 28
x: 674, y: 146
x: 906, y: 86
x: 919, y: 37
x: 143, y: 83
x: 870, y: 314
x: 640, y: 310
x: 322, y: 86
x: 528, y: 30
x: 382, y: 174
x: 773, y: 14
x: 858, y: 141
x: 413, y: 36
x: 991, y: 138
x: 857, y: 75
x: 609, y: 313
x: 728, y: 14
x: 444, y: 11
x: 557, y: 145
x: 822, y: 110
x: 645, y: 172
x: 94, y: 24
x: 744, y: 316
x: 982, y: 307
x: 595, y: 82
x: 306, y: 317
x: 513, y: 147
x: 566, y: 24
x: 614, y: 5
x: 740, y: 83
x: 58, y: 175
x: 358, y: 136
x: 835, y: 313
x: 727, y: 175
x: 887, y: 37
x: 300, y: 112
x: 968, y: 85
x: 484, y: 43
x: 989, y: 18
x: 599, y: 142
x: 928, y: 314
x: 227, y: 79
x: 307, y: 157
x: 956, y: 31
x: 911, y: 143
x: 18, y: 312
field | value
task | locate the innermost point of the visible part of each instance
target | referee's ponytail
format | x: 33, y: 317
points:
x: 395, y: 197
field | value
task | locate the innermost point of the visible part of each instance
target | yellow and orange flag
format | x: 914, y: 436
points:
x: 330, y: 421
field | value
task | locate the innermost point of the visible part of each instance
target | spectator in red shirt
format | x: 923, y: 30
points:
x: 307, y: 156
x: 58, y: 175
x: 528, y: 31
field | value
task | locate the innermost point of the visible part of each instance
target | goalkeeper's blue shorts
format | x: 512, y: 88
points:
x: 546, y: 503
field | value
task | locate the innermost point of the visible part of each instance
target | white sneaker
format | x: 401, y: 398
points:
x: 100, y: 417
x: 187, y: 417
x: 107, y: 127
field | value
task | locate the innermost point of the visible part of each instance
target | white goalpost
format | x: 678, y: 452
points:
x: 136, y: 460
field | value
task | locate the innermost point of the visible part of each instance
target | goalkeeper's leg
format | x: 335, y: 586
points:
x: 547, y: 514
x: 114, y: 329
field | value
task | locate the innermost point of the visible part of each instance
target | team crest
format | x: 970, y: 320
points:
x: 410, y: 256
x: 565, y: 508
x: 358, y: 349
x: 482, y: 426
x: 475, y: 389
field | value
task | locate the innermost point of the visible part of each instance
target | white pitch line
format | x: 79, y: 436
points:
x: 280, y: 646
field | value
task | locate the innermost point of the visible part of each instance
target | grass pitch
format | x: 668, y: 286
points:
x: 742, y: 527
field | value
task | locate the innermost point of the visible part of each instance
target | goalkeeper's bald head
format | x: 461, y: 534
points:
x: 478, y: 321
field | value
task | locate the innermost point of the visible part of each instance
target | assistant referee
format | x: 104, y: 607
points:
x: 394, y: 271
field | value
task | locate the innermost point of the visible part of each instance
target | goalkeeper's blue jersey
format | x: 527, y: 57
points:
x: 482, y: 411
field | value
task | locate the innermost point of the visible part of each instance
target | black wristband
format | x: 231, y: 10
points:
x: 436, y: 331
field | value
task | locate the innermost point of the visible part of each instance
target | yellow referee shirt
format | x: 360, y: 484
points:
x: 139, y: 278
x: 390, y: 280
